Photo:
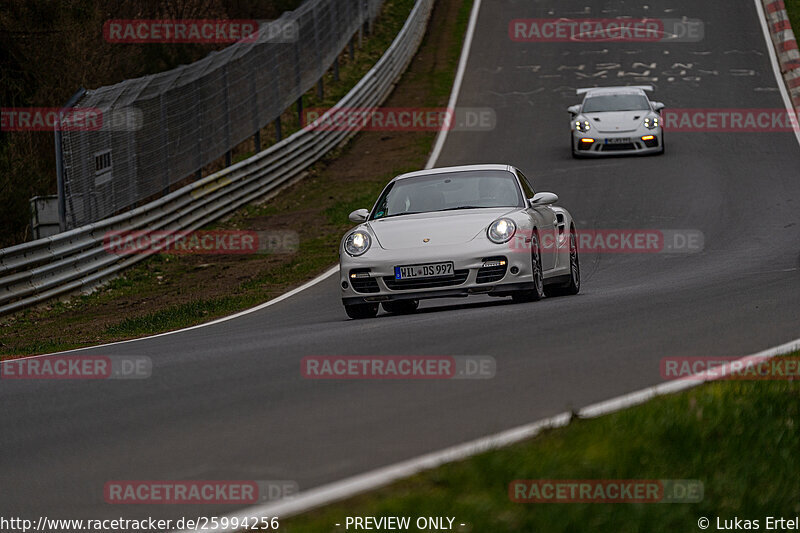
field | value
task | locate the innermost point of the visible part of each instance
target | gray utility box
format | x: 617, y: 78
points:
x: 44, y: 216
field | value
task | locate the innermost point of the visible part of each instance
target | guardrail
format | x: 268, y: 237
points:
x: 76, y: 260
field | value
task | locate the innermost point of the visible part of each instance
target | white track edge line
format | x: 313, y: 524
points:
x: 440, y: 140
x: 325, y: 275
x: 776, y: 68
x: 441, y: 137
x: 358, y: 484
x: 352, y: 486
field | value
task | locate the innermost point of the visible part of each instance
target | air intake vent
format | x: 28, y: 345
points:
x: 361, y: 281
x: 494, y: 269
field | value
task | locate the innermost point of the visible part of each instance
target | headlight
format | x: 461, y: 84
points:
x: 501, y: 230
x: 651, y: 123
x: 357, y: 243
x: 582, y: 125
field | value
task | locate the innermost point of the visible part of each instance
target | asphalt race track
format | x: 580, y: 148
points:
x: 229, y: 402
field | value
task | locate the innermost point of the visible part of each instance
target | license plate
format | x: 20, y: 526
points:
x: 618, y: 140
x: 429, y: 270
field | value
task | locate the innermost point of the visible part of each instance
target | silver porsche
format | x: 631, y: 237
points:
x: 616, y: 121
x: 458, y: 231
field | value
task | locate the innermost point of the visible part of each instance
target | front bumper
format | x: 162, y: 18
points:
x: 371, y: 278
x: 639, y: 142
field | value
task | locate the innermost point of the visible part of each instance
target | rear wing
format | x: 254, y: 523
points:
x: 642, y: 87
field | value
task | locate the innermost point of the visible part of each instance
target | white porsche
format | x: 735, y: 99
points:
x: 616, y: 120
x: 457, y: 231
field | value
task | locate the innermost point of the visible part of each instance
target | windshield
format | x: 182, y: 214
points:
x: 449, y: 191
x: 616, y: 102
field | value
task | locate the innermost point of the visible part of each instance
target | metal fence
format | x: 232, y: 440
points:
x: 76, y: 260
x: 161, y: 129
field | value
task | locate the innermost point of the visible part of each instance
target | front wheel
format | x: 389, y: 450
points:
x: 575, y: 155
x: 359, y: 311
x: 537, y: 293
x: 573, y: 286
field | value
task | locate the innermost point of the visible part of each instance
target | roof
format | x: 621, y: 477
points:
x: 443, y: 170
x: 597, y: 91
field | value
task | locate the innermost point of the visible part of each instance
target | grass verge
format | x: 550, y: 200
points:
x: 739, y: 438
x: 168, y: 292
x: 793, y: 8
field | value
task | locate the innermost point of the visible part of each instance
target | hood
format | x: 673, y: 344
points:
x: 442, y: 228
x: 617, y: 121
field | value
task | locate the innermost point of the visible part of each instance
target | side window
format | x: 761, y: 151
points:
x: 379, y: 211
x: 526, y: 185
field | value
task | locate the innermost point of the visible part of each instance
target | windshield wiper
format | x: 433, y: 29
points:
x: 400, y: 214
x: 463, y: 207
x: 437, y: 211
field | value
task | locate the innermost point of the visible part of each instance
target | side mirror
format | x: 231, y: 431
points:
x: 658, y: 106
x: 359, y: 215
x: 574, y: 110
x: 543, y: 198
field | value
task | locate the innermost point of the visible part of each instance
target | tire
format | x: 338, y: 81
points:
x: 575, y: 155
x: 359, y: 311
x: 573, y: 286
x: 663, y: 145
x: 537, y: 293
x: 401, y: 307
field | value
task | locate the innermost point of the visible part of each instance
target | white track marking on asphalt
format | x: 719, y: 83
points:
x: 352, y: 486
x: 346, y: 488
x: 339, y: 490
x: 301, y: 288
x: 776, y: 67
x: 462, y: 67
